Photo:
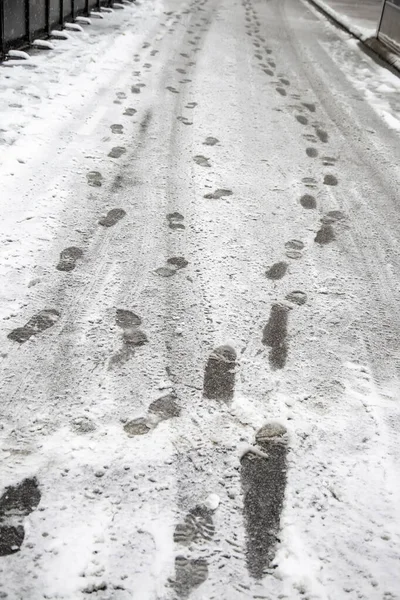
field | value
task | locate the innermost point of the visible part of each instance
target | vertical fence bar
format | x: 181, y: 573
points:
x: 380, y: 20
x: 28, y: 20
x: 48, y: 27
x: 87, y: 10
x: 61, y: 13
x: 2, y: 37
x: 73, y: 10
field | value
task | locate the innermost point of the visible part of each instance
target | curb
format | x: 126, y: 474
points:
x: 371, y: 42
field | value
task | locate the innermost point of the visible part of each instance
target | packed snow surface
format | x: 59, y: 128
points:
x: 199, y: 251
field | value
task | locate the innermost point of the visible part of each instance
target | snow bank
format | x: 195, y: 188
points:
x: 366, y: 36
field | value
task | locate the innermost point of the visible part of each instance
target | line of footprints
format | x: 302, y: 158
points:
x: 263, y: 473
x: 275, y: 331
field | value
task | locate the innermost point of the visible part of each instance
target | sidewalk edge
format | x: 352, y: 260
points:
x: 371, y: 42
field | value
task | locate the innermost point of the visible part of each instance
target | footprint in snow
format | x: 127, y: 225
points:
x: 294, y: 249
x: 201, y: 160
x: 296, y: 297
x: 322, y: 135
x: 94, y: 178
x: 189, y: 574
x: 219, y: 374
x: 310, y: 106
x: 135, y: 89
x: 82, y: 425
x: 302, y: 120
x: 11, y: 538
x: 162, y: 409
x: 211, y: 141
x: 116, y: 128
x: 68, y: 258
x: 325, y: 235
x: 132, y: 336
x: 309, y: 182
x: 218, y: 194
x: 175, y: 220
x: 178, y: 262
x: 198, y: 524
x: 172, y: 89
x: 17, y: 502
x: 277, y: 271
x: 165, y: 271
x: 275, y: 335
x: 145, y: 122
x: 328, y: 161
x: 174, y: 265
x: 129, y: 112
x: 263, y: 477
x: 281, y: 91
x: 40, y: 322
x: 312, y: 152
x: 117, y: 152
x: 307, y: 201
x: 112, y: 217
x: 126, y: 318
x: 129, y: 322
x: 330, y: 180
x: 136, y: 427
x: 333, y: 216
x: 185, y: 121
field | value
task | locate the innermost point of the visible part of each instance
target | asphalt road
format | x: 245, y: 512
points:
x: 201, y: 401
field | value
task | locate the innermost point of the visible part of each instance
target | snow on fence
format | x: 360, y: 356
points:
x: 22, y: 21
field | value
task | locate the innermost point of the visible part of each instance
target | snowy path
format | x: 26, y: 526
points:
x: 208, y: 248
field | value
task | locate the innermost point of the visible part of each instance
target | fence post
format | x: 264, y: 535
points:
x: 61, y: 13
x: 87, y: 10
x: 48, y: 28
x: 28, y: 20
x: 73, y: 10
x: 2, y: 38
x: 380, y: 20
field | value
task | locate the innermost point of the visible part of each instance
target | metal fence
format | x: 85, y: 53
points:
x: 21, y: 21
x: 389, y: 25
